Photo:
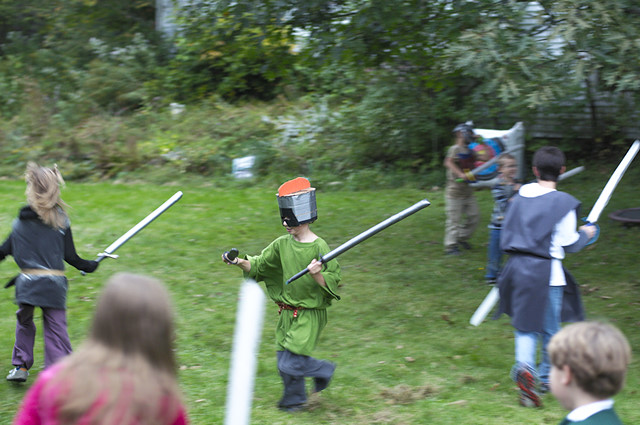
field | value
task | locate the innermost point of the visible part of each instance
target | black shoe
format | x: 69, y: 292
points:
x: 322, y: 383
x: 453, y: 251
x: 292, y: 409
x: 465, y: 245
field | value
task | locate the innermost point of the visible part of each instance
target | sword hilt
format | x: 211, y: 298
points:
x: 596, y: 235
x: 231, y: 255
x: 101, y: 257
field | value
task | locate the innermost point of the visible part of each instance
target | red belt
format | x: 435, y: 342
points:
x: 284, y: 306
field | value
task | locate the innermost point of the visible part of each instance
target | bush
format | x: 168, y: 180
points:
x: 229, y: 52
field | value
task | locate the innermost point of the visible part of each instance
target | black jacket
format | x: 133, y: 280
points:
x: 35, y: 245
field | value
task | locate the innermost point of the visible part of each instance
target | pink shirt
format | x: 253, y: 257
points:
x: 33, y: 412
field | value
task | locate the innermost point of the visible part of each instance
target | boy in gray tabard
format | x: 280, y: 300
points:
x: 535, y: 289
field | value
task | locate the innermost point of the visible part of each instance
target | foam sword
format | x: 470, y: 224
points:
x: 493, y: 296
x: 366, y: 235
x: 108, y: 252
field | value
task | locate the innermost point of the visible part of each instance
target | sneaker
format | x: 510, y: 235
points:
x: 527, y: 384
x: 491, y: 280
x: 465, y: 245
x: 19, y: 374
x: 453, y: 251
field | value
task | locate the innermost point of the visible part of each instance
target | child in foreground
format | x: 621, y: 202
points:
x: 589, y: 363
x: 124, y: 374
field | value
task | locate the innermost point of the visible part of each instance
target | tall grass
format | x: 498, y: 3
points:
x: 401, y: 337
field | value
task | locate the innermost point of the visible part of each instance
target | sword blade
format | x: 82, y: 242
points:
x: 570, y: 173
x: 142, y: 224
x: 244, y: 354
x: 487, y: 305
x: 366, y: 234
x: 493, y: 160
x: 375, y: 229
x: 604, y: 197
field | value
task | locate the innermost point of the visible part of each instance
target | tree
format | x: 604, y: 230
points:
x: 556, y: 54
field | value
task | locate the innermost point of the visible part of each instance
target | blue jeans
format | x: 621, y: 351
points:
x: 527, y: 342
x: 495, y: 255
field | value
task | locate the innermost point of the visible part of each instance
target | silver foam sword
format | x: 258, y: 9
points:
x: 604, y: 197
x: 493, y: 296
x: 108, y: 252
x: 366, y: 235
x: 490, y: 162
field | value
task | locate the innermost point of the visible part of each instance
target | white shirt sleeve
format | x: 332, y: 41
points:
x: 564, y: 234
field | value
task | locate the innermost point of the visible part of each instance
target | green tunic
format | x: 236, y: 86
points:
x: 283, y: 258
x: 603, y: 417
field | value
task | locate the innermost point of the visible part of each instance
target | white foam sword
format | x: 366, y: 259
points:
x: 108, y: 252
x: 493, y: 296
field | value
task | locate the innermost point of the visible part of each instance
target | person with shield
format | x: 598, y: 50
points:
x: 125, y: 373
x: 302, y: 305
x: 461, y: 206
x: 535, y: 290
x: 40, y: 243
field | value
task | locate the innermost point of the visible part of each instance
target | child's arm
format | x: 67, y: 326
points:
x: 5, y: 249
x: 586, y: 232
x: 245, y: 265
x: 570, y: 239
x: 315, y: 269
x: 72, y: 257
x: 451, y: 165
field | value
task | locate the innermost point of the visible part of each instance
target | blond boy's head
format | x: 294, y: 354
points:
x: 597, y: 354
x: 506, y: 159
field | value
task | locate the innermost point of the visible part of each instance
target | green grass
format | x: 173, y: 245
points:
x: 401, y: 337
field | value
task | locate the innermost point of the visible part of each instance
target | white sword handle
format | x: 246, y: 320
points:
x: 485, y: 308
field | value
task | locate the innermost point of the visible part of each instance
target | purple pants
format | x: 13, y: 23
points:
x: 56, y: 338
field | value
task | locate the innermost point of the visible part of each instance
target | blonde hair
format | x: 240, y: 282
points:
x: 503, y: 158
x: 125, y: 373
x: 43, y: 194
x: 598, y: 355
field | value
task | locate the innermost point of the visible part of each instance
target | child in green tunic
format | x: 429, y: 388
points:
x: 589, y: 363
x: 303, y: 303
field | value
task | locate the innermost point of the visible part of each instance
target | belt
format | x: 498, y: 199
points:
x: 284, y: 306
x: 41, y: 272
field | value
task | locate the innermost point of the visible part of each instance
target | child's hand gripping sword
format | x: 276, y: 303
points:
x: 493, y: 296
x: 366, y: 234
x: 108, y: 252
x: 231, y: 255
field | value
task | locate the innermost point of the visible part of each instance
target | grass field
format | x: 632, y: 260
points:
x: 401, y: 337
